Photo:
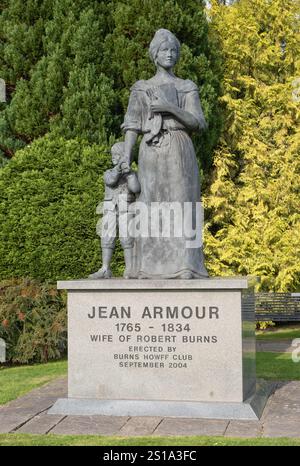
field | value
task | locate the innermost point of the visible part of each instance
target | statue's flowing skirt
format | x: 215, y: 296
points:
x: 169, y: 242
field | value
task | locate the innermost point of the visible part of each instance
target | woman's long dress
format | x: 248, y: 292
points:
x: 168, y: 173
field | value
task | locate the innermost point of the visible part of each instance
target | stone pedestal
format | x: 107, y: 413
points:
x: 163, y: 347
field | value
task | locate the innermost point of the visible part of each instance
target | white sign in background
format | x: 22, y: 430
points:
x: 2, y: 351
x: 2, y: 91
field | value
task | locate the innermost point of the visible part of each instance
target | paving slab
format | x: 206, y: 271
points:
x: 244, y: 429
x: 286, y: 428
x: 176, y: 426
x: 28, y: 406
x: 138, y: 426
x: 41, y: 424
x: 89, y: 425
x: 284, y: 404
x: 10, y: 422
x: 288, y: 390
x: 282, y: 412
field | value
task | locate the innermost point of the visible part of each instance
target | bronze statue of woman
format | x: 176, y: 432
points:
x: 165, y: 110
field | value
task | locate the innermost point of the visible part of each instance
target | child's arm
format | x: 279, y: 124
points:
x: 133, y: 183
x: 111, y: 177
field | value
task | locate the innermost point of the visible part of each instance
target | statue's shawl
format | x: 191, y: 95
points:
x: 138, y: 116
x: 182, y: 85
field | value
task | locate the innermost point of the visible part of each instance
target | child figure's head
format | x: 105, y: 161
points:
x: 117, y: 152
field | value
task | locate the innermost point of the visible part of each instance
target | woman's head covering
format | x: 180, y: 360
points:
x: 162, y: 35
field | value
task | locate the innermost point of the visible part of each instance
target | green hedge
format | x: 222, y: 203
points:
x: 33, y: 321
x: 48, y: 198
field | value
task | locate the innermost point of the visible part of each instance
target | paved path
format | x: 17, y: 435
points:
x: 280, y: 346
x: 28, y: 414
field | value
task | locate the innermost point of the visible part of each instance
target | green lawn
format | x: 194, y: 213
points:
x: 276, y: 366
x: 86, y: 440
x: 16, y: 381
x: 282, y: 332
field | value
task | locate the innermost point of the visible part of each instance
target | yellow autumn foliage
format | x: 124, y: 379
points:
x: 254, y: 198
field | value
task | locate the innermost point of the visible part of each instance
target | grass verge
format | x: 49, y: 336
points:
x: 16, y: 381
x: 276, y: 366
x: 93, y: 440
x: 284, y: 332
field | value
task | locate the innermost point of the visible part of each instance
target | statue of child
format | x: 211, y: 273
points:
x: 121, y: 187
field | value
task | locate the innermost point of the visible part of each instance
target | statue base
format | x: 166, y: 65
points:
x: 183, y: 348
x: 250, y: 409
